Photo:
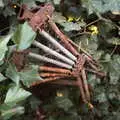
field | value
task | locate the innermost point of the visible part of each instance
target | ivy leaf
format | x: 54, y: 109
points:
x: 24, y: 36
x: 41, y: 0
x: 89, y: 44
x: 56, y: 2
x: 7, y: 112
x: 3, y: 45
x: 30, y: 3
x: 70, y: 26
x: 101, y: 6
x: 114, y: 41
x: 114, y: 69
x: 8, y: 11
x: 12, y: 73
x: 63, y: 102
x: 1, y: 4
x: 58, y: 18
x: 16, y: 94
x: 30, y: 75
x: 2, y: 78
x: 101, y: 97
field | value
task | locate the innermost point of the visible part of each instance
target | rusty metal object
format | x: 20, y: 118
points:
x: 62, y: 37
x: 19, y: 59
x: 54, y: 75
x: 55, y: 69
x: 50, y: 79
x: 83, y: 63
x: 38, y: 19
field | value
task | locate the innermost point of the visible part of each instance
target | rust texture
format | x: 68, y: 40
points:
x: 63, y: 38
x: 50, y: 79
x: 37, y: 18
x: 55, y: 69
x: 53, y: 75
x: 19, y: 59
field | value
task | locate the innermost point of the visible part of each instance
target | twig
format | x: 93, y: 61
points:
x: 49, y: 60
x: 92, y: 22
x: 113, y: 50
x: 96, y: 72
x: 52, y: 52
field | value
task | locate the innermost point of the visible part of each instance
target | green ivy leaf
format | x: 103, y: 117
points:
x: 70, y: 26
x: 30, y: 3
x: 1, y: 4
x: 16, y: 94
x: 58, y: 18
x: 41, y: 0
x: 30, y: 75
x: 101, y: 6
x: 56, y: 2
x: 2, y: 78
x: 12, y: 73
x: 3, y: 45
x: 7, y: 112
x: 24, y: 36
x: 63, y: 102
x: 101, y: 97
x: 8, y: 11
x: 114, y: 69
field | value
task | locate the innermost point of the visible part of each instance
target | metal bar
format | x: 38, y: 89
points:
x: 45, y: 80
x: 53, y: 75
x: 57, y: 44
x: 54, y: 53
x: 85, y: 84
x: 49, y: 60
x: 65, y: 82
x: 80, y: 84
x: 63, y: 37
x: 55, y: 69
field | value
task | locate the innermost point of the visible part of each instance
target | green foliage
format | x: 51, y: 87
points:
x: 12, y: 73
x: 3, y: 45
x: 16, y: 94
x: 1, y: 4
x: 102, y: 6
x: 24, y: 36
x: 94, y: 26
x: 63, y: 102
x: 2, y: 77
x: 7, y: 112
x: 11, y: 106
x: 30, y: 75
